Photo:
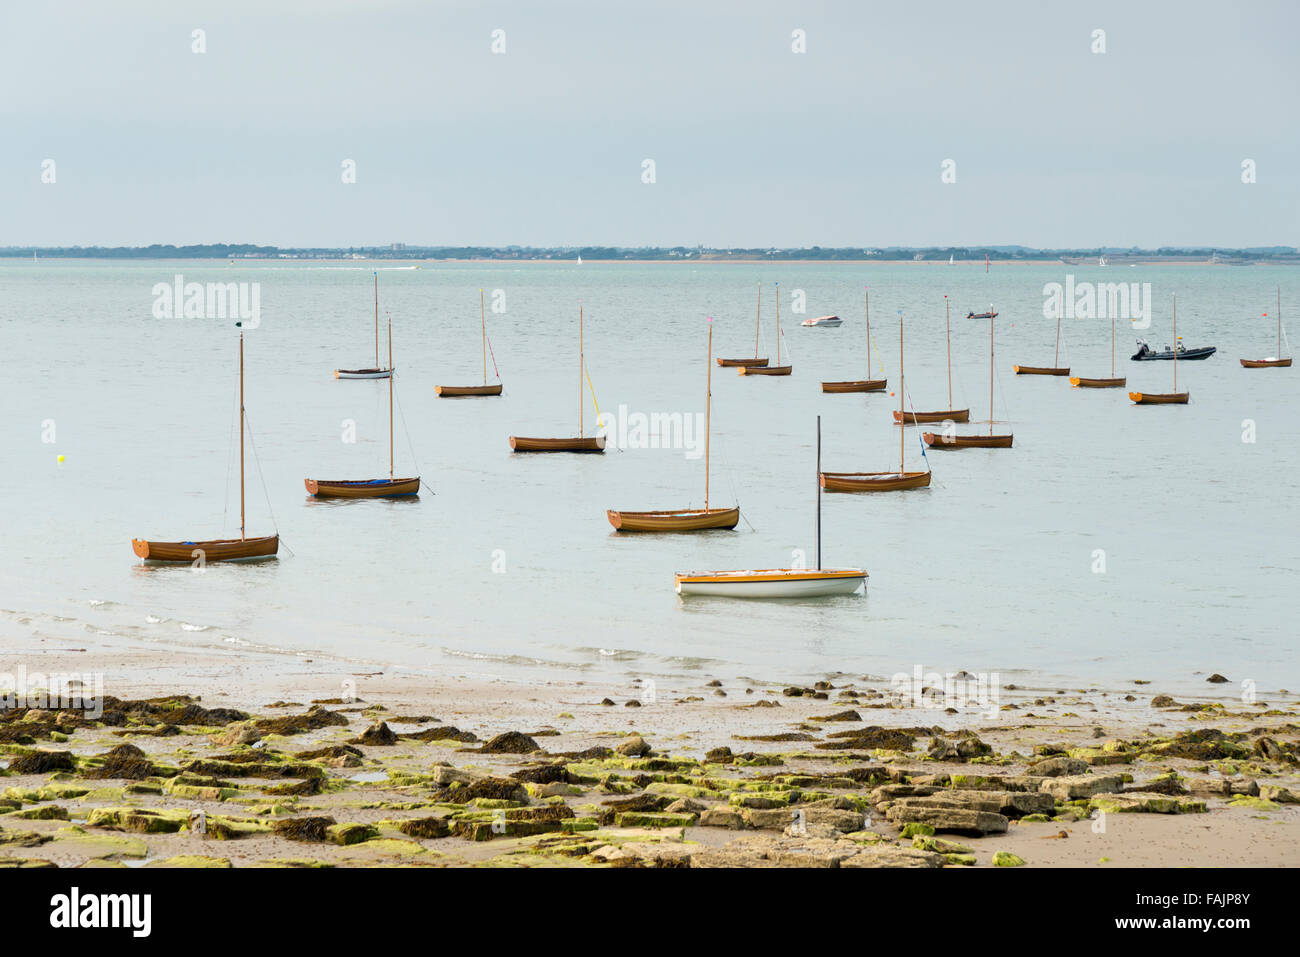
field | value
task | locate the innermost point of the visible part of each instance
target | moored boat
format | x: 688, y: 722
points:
x: 1164, y: 398
x: 200, y: 553
x: 450, y: 391
x: 376, y: 371
x: 758, y: 322
x: 766, y: 369
x: 686, y: 519
x: 1040, y: 370
x: 772, y: 582
x: 989, y: 441
x: 362, y: 488
x: 391, y: 487
x: 1180, y: 352
x: 580, y: 442
x: 1271, y: 362
x: 822, y: 321
x: 859, y: 385
x: 816, y: 582
x: 219, y: 550
x: 1083, y: 382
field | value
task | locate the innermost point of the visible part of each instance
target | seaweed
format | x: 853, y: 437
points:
x: 303, y: 828
x: 377, y: 735
x: 545, y: 774
x: 447, y: 733
x: 307, y: 786
x: 125, y: 761
x: 424, y: 827
x: 42, y: 762
x: 313, y: 719
x: 511, y: 742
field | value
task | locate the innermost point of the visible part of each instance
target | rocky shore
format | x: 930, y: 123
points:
x: 840, y: 774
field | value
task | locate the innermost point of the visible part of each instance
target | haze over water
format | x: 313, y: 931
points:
x: 991, y: 569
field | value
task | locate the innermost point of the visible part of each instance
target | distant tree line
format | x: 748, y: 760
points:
x: 674, y: 253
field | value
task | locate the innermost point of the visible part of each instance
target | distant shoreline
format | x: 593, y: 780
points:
x: 1161, y: 261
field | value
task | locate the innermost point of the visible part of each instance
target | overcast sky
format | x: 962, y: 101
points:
x: 753, y: 144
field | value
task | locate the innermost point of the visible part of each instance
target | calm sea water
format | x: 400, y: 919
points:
x: 506, y: 564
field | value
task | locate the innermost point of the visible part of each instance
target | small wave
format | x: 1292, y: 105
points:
x: 186, y: 626
x: 154, y: 619
x: 100, y: 602
x: 509, y: 659
x: 235, y: 640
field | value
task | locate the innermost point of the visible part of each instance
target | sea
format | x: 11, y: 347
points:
x: 1113, y: 542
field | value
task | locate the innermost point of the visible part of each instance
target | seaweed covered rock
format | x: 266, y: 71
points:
x: 377, y: 735
x: 634, y: 747
x: 313, y: 719
x: 304, y: 828
x: 42, y: 762
x: 511, y: 742
x: 126, y: 762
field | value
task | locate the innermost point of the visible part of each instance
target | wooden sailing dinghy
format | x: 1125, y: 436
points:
x: 943, y: 415
x: 689, y: 519
x: 448, y: 391
x: 376, y: 372
x: 758, y: 321
x: 1054, y: 368
x: 860, y: 385
x: 1273, y: 362
x: 1081, y: 382
x: 1164, y: 398
x: 222, y: 549
x: 391, y: 487
x: 990, y: 441
x: 778, y: 582
x: 766, y: 369
x: 579, y: 443
x: 880, y: 481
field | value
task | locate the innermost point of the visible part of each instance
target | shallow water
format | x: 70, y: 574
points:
x: 506, y: 563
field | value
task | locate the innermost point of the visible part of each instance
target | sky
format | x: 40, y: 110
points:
x: 753, y: 144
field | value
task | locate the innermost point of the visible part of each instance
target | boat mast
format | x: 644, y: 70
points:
x: 482, y: 318
x: 1112, y: 347
x: 948, y: 326
x: 1175, y: 342
x: 1056, y: 360
x: 758, y: 317
x: 708, y: 413
x: 778, y: 332
x: 866, y: 304
x: 376, y: 319
x: 390, y: 395
x: 902, y: 423
x: 241, y: 434
x: 1279, y: 322
x: 819, y: 493
x: 990, y: 368
x: 581, y: 367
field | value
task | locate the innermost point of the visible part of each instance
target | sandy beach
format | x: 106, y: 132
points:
x: 252, y: 760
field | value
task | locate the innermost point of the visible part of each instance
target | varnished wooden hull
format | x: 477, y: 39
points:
x: 372, y: 488
x: 772, y: 582
x: 936, y: 441
x: 681, y: 520
x: 1159, y: 398
x: 911, y: 418
x: 873, y: 481
x: 741, y: 363
x: 1266, y: 363
x: 591, y: 443
x: 362, y: 373
x: 220, y: 550
x: 765, y: 370
x: 1079, y: 382
x: 860, y: 385
x: 1040, y: 370
x: 450, y: 391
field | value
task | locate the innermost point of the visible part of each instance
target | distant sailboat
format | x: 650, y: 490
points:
x: 484, y: 389
x: 583, y: 442
x: 1101, y: 260
x: 580, y: 259
x: 219, y: 550
x: 390, y: 487
x: 758, y: 320
x: 951, y: 260
x: 766, y: 369
x: 1272, y: 362
x: 376, y: 372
